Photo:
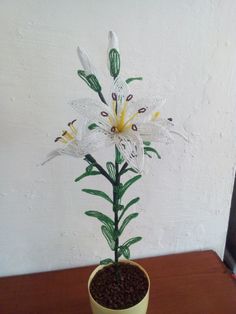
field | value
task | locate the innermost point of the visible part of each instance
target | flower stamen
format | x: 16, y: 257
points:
x: 67, y: 136
x: 104, y: 114
x: 129, y: 97
x: 134, y: 127
x: 72, y: 127
x: 142, y: 110
x: 155, y: 116
x: 60, y: 139
x: 114, y: 96
x: 114, y: 129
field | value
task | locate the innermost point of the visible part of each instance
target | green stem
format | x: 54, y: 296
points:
x: 123, y: 168
x: 93, y: 161
x: 116, y: 217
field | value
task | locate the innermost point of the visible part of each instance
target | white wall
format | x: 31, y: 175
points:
x: 186, y: 52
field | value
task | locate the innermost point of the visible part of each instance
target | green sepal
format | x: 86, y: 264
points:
x: 92, y: 126
x: 126, y: 221
x: 109, y: 237
x: 103, y: 218
x: 152, y: 150
x: 146, y: 143
x: 106, y: 261
x: 128, y: 184
x: 98, y: 193
x: 131, y: 79
x: 111, y: 169
x: 114, y: 59
x: 90, y: 80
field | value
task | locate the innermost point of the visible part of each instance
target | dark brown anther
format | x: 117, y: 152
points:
x: 129, y: 97
x: 104, y: 113
x: 72, y: 122
x: 114, y: 96
x: 142, y: 110
x: 134, y: 127
x: 64, y: 133
x: 113, y: 129
x: 57, y: 139
x: 170, y: 119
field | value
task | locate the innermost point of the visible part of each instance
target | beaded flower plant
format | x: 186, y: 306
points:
x: 120, y: 121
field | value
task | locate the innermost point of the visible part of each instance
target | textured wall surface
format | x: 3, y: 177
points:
x: 186, y: 52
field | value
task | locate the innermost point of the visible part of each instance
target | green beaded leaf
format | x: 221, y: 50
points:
x: 111, y: 169
x: 103, y: 218
x: 132, y: 202
x: 106, y: 261
x: 124, y: 248
x: 98, y: 193
x: 86, y: 174
x: 132, y: 241
x: 125, y: 251
x: 128, y: 184
x: 148, y: 150
x: 131, y: 79
x: 108, y: 236
x: 126, y: 221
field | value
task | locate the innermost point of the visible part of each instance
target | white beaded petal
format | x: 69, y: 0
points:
x: 131, y: 147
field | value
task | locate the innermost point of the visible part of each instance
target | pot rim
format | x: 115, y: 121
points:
x: 99, y: 267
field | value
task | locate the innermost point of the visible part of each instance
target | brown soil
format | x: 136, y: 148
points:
x: 128, y: 290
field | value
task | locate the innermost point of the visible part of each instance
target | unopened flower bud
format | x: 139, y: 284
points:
x: 113, y: 55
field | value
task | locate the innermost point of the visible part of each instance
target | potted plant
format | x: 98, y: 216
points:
x: 130, y: 126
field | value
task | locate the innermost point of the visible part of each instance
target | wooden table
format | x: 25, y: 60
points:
x: 189, y: 283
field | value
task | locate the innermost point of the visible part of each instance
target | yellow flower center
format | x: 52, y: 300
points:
x: 122, y: 122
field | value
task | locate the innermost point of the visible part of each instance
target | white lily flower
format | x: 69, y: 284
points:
x: 76, y: 143
x: 124, y: 123
x: 85, y: 61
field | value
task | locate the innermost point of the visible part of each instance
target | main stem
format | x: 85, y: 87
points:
x: 116, y: 218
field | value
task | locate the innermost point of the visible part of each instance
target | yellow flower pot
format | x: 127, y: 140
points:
x: 140, y: 308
